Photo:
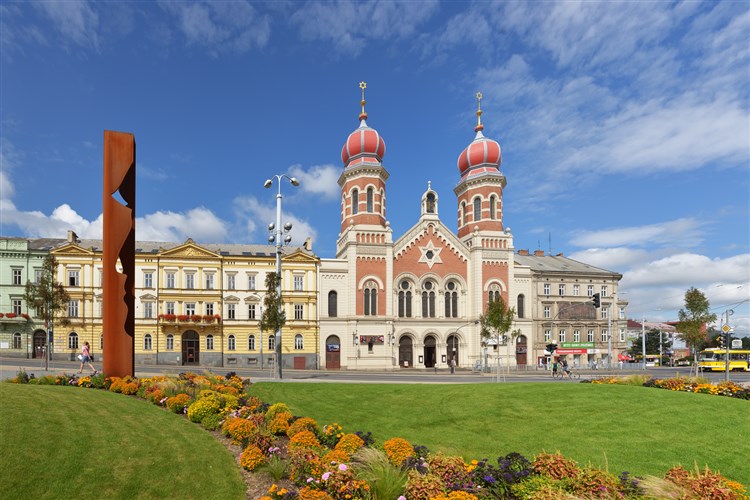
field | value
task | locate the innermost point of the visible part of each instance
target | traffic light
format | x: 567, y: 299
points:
x: 722, y: 340
x: 597, y: 300
x: 551, y: 348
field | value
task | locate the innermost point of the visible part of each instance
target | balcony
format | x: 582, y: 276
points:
x: 189, y: 320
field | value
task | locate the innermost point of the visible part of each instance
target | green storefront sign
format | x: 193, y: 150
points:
x: 577, y: 345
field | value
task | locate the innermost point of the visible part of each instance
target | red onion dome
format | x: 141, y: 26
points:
x: 364, y: 145
x: 482, y: 152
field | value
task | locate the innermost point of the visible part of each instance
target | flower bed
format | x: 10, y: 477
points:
x: 682, y: 384
x: 308, y: 461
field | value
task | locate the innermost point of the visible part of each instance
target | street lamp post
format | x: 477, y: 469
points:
x: 277, y: 238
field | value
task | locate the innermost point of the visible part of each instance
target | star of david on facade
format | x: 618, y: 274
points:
x: 430, y: 255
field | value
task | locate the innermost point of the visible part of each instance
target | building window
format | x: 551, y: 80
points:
x: 38, y: 275
x: 428, y: 299
x: 16, y: 340
x: 562, y: 289
x: 546, y: 288
x: 148, y: 280
x: 209, y: 306
x: 298, y: 343
x: 622, y: 313
x: 622, y: 335
x: 590, y: 290
x: 98, y: 308
x: 576, y: 335
x: 190, y: 308
x: 371, y: 299
x: 604, y: 290
x: 430, y: 206
x: 493, y: 202
x: 170, y: 342
x: 562, y: 335
x: 298, y: 311
x: 148, y: 309
x: 404, y: 299
x: 147, y: 342
x: 15, y: 306
x: 251, y: 311
x: 547, y: 311
x: 73, y: 309
x: 451, y: 300
x: 231, y: 346
x: 477, y: 209
x: 272, y: 342
x: 251, y: 282
x: 73, y: 277
x: 605, y: 311
x: 100, y: 273
x: 590, y: 336
x: 605, y: 335
x: 209, y: 342
x: 231, y: 311
x: 547, y: 335
x: 230, y: 281
x: 72, y: 340
x: 333, y: 299
x: 169, y: 307
x: 251, y: 343
x: 190, y: 281
x: 464, y: 216
x: 494, y: 293
x: 170, y: 280
x: 576, y: 290
x: 370, y: 201
x: 355, y: 201
x: 210, y: 281
x: 299, y: 283
x: 519, y: 306
x: 17, y: 276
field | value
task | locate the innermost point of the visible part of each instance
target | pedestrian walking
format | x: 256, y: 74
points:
x: 554, y: 367
x: 453, y: 365
x: 85, y: 358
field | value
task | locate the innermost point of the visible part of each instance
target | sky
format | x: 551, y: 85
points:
x: 624, y: 126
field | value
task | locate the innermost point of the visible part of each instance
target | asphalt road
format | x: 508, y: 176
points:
x: 10, y: 366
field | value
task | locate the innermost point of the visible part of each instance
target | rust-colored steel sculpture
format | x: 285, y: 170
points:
x: 118, y: 288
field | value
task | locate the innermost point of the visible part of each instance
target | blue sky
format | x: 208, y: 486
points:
x: 624, y: 125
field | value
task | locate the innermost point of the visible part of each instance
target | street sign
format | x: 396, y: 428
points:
x: 725, y: 328
x: 737, y: 344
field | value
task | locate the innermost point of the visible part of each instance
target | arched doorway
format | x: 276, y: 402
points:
x: 451, y: 349
x: 430, y: 351
x: 40, y: 344
x: 333, y: 353
x: 190, y: 348
x: 405, y: 352
x: 521, y: 350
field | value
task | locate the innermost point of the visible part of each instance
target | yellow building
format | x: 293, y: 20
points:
x: 195, y: 304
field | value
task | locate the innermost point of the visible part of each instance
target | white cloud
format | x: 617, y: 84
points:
x: 610, y: 258
x: 74, y: 19
x: 319, y: 180
x: 198, y: 223
x: 690, y: 270
x: 683, y: 232
x: 256, y: 216
x: 221, y: 26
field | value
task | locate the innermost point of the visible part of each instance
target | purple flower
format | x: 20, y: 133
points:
x: 325, y: 476
x: 489, y: 479
x: 342, y: 467
x: 309, y: 480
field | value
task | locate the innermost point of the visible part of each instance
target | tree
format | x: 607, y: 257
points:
x: 693, y: 320
x: 496, y: 322
x: 273, y: 318
x: 652, y: 343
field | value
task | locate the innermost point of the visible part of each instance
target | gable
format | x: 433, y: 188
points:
x: 300, y: 256
x: 189, y: 250
x: 71, y: 249
x: 440, y: 235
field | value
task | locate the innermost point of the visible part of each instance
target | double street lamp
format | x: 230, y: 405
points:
x: 279, y: 242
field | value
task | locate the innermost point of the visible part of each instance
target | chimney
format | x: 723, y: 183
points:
x: 559, y: 255
x: 307, y: 245
x: 538, y: 253
x: 523, y: 252
x: 72, y: 237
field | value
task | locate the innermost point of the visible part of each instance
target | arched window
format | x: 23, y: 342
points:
x: 333, y: 298
x: 72, y: 340
x: 451, y: 300
x: 272, y: 342
x: 231, y: 343
x: 404, y: 299
x: 477, y: 209
x: 251, y: 343
x: 170, y: 342
x: 355, y: 201
x: 371, y: 299
x: 298, y: 342
x: 494, y: 293
x: 101, y: 342
x: 464, y: 217
x: 16, y: 340
x: 430, y: 208
x: 519, y: 306
x: 428, y: 299
x: 209, y: 342
x: 147, y: 345
x: 370, y: 199
x: 493, y: 202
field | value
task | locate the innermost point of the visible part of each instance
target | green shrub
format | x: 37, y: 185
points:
x: 275, y: 409
x: 539, y: 488
x: 202, y: 408
x: 212, y: 422
x: 385, y: 479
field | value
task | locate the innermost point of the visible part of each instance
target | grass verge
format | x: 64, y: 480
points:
x: 622, y: 428
x: 62, y: 442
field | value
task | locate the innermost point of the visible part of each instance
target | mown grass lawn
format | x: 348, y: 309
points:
x: 66, y: 442
x: 625, y: 428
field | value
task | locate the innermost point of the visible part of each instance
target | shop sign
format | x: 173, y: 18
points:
x: 571, y: 351
x: 577, y: 345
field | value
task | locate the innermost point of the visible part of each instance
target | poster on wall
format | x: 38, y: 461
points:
x: 372, y: 339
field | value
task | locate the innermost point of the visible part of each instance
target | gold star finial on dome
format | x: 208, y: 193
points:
x: 479, y: 126
x: 363, y: 114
